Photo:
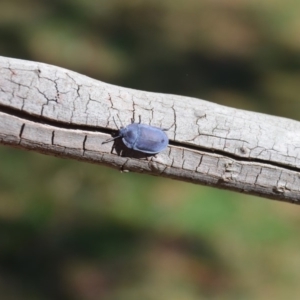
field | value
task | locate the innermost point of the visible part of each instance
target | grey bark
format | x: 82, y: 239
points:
x: 59, y: 112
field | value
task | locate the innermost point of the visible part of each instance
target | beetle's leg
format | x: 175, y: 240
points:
x: 166, y: 129
x: 150, y: 158
x: 112, y: 149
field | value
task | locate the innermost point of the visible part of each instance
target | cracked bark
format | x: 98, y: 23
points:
x: 59, y: 112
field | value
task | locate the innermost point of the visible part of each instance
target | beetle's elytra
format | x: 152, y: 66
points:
x: 141, y: 137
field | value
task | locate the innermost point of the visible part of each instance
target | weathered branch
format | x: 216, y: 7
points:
x: 59, y: 112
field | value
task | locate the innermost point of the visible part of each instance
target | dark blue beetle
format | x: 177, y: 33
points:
x: 143, y: 138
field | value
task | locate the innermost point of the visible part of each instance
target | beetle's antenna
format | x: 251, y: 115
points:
x: 116, y: 123
x: 122, y: 126
x: 110, y: 140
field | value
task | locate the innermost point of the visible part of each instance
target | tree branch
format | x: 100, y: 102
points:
x: 59, y: 112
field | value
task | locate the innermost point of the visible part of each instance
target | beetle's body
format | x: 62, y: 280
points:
x: 143, y: 138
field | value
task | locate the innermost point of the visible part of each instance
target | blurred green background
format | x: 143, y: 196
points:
x: 71, y: 230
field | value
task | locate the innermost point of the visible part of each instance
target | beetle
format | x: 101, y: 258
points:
x: 143, y: 138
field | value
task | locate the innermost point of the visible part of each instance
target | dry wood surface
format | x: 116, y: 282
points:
x: 59, y: 112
